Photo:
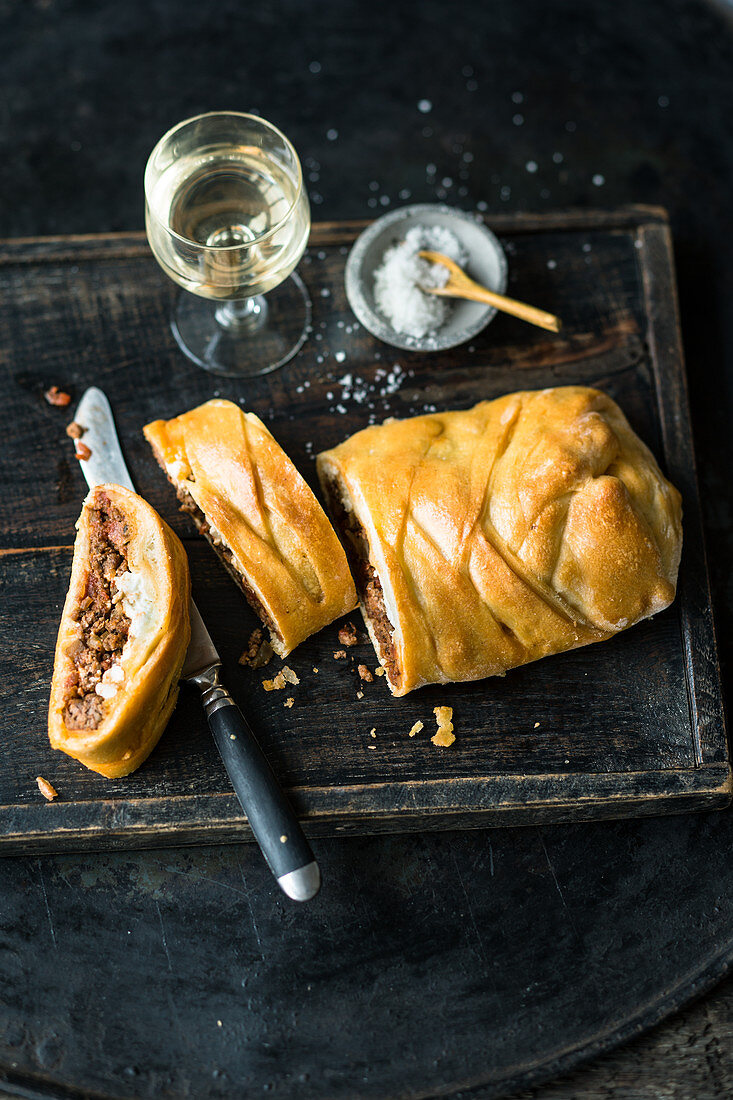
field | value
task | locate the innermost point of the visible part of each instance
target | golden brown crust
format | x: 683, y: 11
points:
x: 152, y: 657
x: 525, y: 526
x: 261, y: 514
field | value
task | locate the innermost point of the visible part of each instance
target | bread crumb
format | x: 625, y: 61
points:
x: 289, y: 701
x: 258, y: 651
x: 348, y: 635
x: 48, y: 791
x: 379, y: 671
x: 372, y: 733
x: 339, y: 654
x: 315, y: 669
x: 289, y: 675
x: 365, y: 674
x: 83, y: 453
x: 55, y: 396
x: 360, y: 695
x: 416, y: 728
x: 371, y: 746
x: 445, y: 736
x: 536, y: 725
x: 276, y: 684
x: 74, y: 430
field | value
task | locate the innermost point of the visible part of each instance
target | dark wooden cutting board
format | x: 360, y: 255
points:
x: 632, y: 726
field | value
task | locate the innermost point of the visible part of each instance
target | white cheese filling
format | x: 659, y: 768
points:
x: 138, y: 601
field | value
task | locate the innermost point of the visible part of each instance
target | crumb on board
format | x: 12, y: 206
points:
x: 536, y: 725
x: 74, y: 430
x: 348, y: 635
x: 416, y: 728
x: 276, y: 684
x: 360, y: 695
x: 372, y: 733
x: 55, y: 396
x: 47, y: 789
x: 339, y: 654
x: 365, y: 674
x: 315, y: 669
x: 289, y: 701
x: 82, y: 451
x: 371, y: 746
x: 379, y: 671
x: 290, y: 676
x: 445, y: 736
x: 258, y: 650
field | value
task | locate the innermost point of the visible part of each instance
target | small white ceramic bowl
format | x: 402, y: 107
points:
x: 486, y: 264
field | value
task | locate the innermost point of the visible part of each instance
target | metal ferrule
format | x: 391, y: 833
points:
x: 213, y: 693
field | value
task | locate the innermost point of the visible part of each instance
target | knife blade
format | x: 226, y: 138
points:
x: 270, y: 816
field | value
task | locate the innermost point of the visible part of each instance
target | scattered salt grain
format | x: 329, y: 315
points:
x: 599, y: 180
x: 424, y: 106
x: 531, y: 166
x: 398, y: 279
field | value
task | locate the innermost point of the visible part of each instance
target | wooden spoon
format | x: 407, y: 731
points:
x: 459, y: 285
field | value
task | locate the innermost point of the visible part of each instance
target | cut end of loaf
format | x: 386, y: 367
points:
x: 223, y: 552
x: 366, y: 577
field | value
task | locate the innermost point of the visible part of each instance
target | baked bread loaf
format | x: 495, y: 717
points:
x: 123, y: 636
x: 483, y: 539
x: 248, y: 499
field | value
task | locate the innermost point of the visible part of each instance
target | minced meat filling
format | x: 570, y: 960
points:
x: 366, y: 580
x: 101, y: 616
x: 189, y: 505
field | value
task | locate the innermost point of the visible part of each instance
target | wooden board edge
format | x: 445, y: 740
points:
x: 235, y: 833
x: 705, y: 689
x: 396, y: 807
x: 132, y: 244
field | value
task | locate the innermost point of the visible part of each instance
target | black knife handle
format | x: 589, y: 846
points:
x: 275, y: 826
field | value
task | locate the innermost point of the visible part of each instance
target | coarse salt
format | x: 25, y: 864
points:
x: 400, y: 276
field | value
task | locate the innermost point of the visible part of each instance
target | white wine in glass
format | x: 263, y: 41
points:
x: 227, y: 218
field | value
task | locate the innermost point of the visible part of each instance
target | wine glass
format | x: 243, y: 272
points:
x: 228, y: 219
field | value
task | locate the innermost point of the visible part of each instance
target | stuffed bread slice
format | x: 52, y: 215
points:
x: 123, y: 636
x: 483, y: 539
x: 246, y: 496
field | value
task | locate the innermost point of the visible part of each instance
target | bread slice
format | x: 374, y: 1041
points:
x: 262, y: 519
x: 123, y: 635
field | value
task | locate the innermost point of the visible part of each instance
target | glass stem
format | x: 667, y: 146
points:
x: 243, y: 315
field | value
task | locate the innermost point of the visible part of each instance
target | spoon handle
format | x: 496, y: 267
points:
x: 476, y: 293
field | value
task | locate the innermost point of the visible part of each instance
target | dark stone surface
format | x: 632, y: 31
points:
x: 428, y: 964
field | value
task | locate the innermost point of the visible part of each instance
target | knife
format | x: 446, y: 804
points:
x: 275, y: 826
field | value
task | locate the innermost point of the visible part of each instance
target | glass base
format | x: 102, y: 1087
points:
x: 246, y: 338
